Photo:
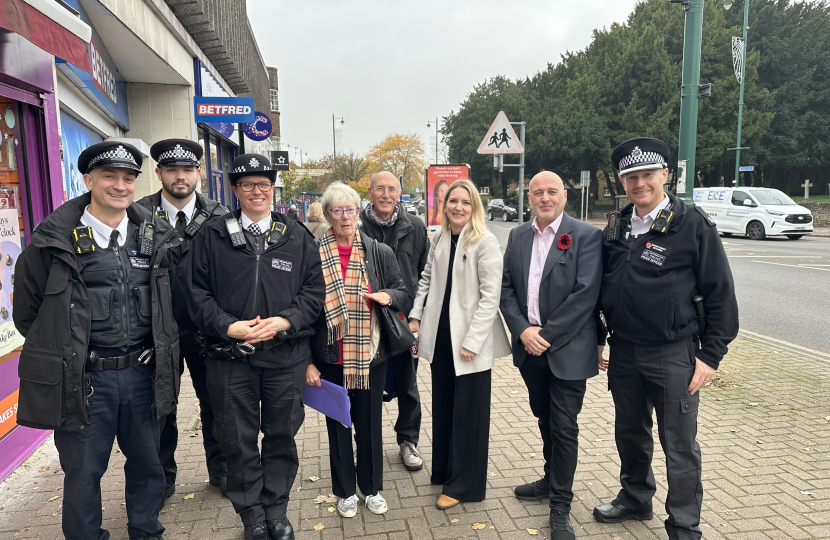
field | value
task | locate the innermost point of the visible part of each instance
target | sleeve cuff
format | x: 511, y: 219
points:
x: 709, y: 359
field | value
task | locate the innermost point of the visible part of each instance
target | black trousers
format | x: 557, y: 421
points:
x: 170, y: 432
x: 460, y: 425
x: 367, y: 418
x: 247, y: 400
x: 120, y: 406
x: 405, y: 371
x: 556, y: 403
x: 641, y: 380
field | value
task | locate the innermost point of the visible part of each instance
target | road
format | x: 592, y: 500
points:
x: 783, y: 286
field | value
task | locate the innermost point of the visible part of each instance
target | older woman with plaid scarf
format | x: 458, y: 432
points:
x: 349, y: 349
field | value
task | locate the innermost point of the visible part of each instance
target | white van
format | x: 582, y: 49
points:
x: 755, y: 212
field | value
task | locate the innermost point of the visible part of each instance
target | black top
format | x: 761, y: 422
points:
x: 444, y: 321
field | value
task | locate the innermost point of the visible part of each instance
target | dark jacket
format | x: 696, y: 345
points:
x: 187, y: 330
x: 321, y: 351
x: 52, y: 311
x: 408, y: 240
x: 649, y: 304
x: 226, y: 285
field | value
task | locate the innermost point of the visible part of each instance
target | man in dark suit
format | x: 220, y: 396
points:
x: 552, y: 277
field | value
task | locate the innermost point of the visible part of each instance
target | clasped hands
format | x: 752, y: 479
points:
x: 533, y: 342
x: 258, y: 329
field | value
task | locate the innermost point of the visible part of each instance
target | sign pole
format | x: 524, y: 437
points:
x: 521, y: 172
x: 690, y: 88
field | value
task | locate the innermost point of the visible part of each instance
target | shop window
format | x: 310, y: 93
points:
x: 10, y: 158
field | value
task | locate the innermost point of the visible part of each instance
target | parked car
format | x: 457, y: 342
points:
x: 411, y: 206
x: 506, y: 209
x: 755, y: 212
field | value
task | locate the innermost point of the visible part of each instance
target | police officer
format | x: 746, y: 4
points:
x: 100, y: 360
x: 256, y: 284
x: 659, y: 256
x: 186, y: 210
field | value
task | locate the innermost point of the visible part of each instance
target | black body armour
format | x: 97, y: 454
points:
x: 121, y: 304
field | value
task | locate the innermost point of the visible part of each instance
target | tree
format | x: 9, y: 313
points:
x: 293, y: 182
x: 402, y: 154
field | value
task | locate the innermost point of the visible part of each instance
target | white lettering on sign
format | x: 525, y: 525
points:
x: 102, y: 75
x: 205, y: 109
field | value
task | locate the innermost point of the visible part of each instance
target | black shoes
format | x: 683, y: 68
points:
x: 280, y: 529
x: 614, y: 512
x: 257, y: 531
x: 221, y: 483
x: 560, y: 526
x: 169, y: 491
x: 534, y: 491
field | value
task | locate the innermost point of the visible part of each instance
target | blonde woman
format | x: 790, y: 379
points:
x: 461, y: 334
x: 317, y: 223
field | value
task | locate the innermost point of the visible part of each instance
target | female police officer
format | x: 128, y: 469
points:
x: 659, y: 257
x: 101, y: 354
x: 255, y: 281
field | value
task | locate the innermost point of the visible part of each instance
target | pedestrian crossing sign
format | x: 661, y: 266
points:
x: 500, y: 138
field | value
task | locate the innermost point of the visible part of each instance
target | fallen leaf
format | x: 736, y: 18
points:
x: 477, y: 526
x: 491, y: 474
x: 724, y: 525
x: 514, y: 391
x: 313, y: 478
x: 759, y: 441
x: 44, y: 469
x: 733, y: 430
x: 331, y: 509
x: 55, y: 497
x: 187, y: 497
x: 753, y: 404
x: 532, y: 532
x: 320, y: 499
x: 718, y: 399
x: 163, y: 511
x: 453, y: 521
x: 533, y: 454
x: 806, y: 493
x: 598, y: 440
x: 319, y: 527
x: 807, y: 449
x: 192, y: 434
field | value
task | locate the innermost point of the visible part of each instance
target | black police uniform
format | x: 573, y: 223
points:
x: 101, y: 352
x: 275, y: 273
x: 173, y: 152
x: 649, y: 283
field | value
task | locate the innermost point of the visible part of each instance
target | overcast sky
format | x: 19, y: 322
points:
x: 388, y: 66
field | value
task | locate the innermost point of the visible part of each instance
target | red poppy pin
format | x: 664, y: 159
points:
x: 564, y: 242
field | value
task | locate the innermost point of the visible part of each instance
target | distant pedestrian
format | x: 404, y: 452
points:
x: 456, y: 313
x: 293, y: 213
x: 316, y: 221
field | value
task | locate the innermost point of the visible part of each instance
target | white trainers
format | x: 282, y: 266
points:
x: 376, y: 504
x: 348, y: 507
x: 411, y: 458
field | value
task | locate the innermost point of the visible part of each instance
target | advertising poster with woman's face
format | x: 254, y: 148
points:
x: 439, y: 178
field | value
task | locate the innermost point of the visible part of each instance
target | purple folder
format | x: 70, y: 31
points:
x: 331, y: 400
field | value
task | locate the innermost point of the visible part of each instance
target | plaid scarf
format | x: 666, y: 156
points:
x: 347, y: 315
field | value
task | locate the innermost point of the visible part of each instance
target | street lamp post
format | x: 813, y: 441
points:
x: 334, y: 138
x: 436, y: 137
x: 741, y: 77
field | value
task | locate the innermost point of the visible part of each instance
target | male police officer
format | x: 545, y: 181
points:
x: 659, y: 256
x: 101, y: 354
x: 179, y: 172
x: 385, y: 221
x: 256, y: 282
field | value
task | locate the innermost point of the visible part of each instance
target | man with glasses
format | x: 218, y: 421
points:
x: 386, y: 221
x: 255, y: 283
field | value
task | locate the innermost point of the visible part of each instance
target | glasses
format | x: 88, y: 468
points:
x: 381, y: 190
x: 337, y: 213
x: 249, y: 186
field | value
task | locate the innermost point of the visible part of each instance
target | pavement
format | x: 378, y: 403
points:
x: 764, y: 432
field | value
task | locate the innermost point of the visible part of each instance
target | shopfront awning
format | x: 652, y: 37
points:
x: 49, y: 26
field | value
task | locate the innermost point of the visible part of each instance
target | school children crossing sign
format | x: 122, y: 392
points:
x: 500, y: 138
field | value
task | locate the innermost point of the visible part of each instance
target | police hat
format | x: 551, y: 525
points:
x: 252, y: 165
x: 172, y: 152
x: 640, y: 154
x: 110, y: 154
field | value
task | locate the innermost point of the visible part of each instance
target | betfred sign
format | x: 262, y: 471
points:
x: 102, y: 74
x: 224, y: 109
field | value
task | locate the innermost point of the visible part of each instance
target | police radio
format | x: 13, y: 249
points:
x: 82, y: 240
x: 196, y: 223
x: 235, y: 232
x: 145, y: 238
x: 612, y: 230
x: 661, y: 222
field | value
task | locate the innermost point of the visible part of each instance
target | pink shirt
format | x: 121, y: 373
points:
x: 542, y: 240
x: 345, y: 253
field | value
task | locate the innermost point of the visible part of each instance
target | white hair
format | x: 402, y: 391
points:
x: 338, y: 193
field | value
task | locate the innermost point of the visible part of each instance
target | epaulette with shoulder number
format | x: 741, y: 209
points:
x: 703, y: 213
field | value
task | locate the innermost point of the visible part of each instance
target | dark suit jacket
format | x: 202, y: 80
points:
x: 569, y: 290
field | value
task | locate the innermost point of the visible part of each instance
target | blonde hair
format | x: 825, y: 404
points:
x: 477, y: 227
x: 315, y: 212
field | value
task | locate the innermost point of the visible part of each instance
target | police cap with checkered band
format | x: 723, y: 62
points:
x: 173, y: 152
x: 640, y: 154
x: 252, y: 165
x: 110, y: 154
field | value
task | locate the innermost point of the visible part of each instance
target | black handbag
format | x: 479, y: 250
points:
x: 393, y: 323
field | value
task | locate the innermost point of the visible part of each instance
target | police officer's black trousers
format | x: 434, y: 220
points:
x: 367, y: 419
x: 643, y: 379
x: 120, y: 406
x: 405, y: 371
x: 247, y: 400
x: 556, y: 403
x: 170, y: 432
